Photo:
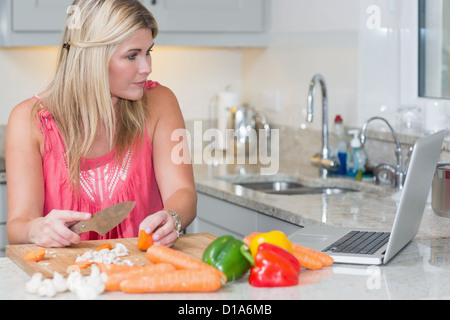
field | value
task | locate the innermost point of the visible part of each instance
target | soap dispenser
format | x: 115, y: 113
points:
x: 340, y: 149
x: 356, y: 157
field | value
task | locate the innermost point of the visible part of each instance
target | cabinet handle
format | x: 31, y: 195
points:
x: 154, y: 2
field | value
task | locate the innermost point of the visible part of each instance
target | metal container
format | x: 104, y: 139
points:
x: 247, y: 126
x: 441, y: 190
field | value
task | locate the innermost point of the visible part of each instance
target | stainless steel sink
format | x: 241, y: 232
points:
x: 292, y: 188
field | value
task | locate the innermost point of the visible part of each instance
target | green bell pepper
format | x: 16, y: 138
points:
x: 228, y: 254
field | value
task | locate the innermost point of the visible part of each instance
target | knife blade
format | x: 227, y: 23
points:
x: 105, y: 220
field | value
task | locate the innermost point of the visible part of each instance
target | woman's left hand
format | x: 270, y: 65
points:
x: 162, y: 225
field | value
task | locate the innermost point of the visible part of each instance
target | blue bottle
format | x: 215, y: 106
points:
x: 356, y: 157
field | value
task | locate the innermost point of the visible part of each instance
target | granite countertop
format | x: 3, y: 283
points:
x: 420, y: 271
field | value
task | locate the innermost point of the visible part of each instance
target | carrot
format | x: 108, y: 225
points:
x: 306, y: 256
x: 114, y: 280
x: 162, y: 254
x: 34, y: 255
x: 248, y: 239
x: 325, y: 259
x: 82, y: 264
x: 307, y: 261
x: 104, y: 246
x: 145, y: 240
x: 199, y: 280
x: 113, y: 268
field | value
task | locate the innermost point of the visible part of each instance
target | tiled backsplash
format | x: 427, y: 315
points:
x: 380, y: 145
x: 301, y: 144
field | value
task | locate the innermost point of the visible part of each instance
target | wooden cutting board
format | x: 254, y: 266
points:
x: 59, y: 259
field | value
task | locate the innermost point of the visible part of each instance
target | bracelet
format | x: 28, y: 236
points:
x: 177, y: 219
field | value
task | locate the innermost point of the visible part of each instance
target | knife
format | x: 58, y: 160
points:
x: 105, y: 220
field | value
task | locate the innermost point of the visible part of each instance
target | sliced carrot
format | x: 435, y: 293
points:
x: 112, y: 268
x: 163, y: 254
x: 114, y: 280
x: 83, y: 264
x: 34, y: 255
x: 145, y: 240
x: 104, y: 246
x: 325, y: 259
x: 199, y: 280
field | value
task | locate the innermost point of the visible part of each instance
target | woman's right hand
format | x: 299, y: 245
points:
x: 53, y: 230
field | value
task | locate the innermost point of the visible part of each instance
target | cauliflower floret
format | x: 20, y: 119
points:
x: 33, y: 285
x: 127, y: 262
x: 87, y: 256
x: 87, y: 288
x: 96, y: 281
x: 59, y: 282
x: 106, y: 256
x: 47, y: 289
x: 120, y: 250
x: 74, y: 280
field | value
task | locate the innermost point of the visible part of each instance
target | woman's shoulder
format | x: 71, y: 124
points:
x: 24, y: 108
x: 153, y: 87
x: 163, y: 109
x: 28, y: 105
x: 159, y: 95
x: 21, y: 123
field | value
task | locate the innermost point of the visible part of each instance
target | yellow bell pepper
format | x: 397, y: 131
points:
x: 277, y: 238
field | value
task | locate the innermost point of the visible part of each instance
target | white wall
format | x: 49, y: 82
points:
x: 367, y: 51
x: 24, y: 72
x: 289, y: 71
x: 196, y: 75
x: 307, y: 37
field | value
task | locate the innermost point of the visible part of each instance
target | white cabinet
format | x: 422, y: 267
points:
x: 39, y: 16
x: 181, y: 22
x: 208, y: 15
x: 32, y: 22
x: 241, y: 23
x: 221, y: 218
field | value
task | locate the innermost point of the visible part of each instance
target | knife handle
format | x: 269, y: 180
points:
x: 80, y: 227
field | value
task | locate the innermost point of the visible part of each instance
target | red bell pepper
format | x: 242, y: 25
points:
x: 274, y: 267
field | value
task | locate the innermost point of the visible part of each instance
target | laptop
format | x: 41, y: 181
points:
x: 374, y: 247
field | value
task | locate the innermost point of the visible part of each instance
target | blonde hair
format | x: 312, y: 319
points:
x: 79, y: 97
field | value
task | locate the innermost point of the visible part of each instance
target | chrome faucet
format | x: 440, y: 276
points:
x: 324, y: 159
x: 399, y: 174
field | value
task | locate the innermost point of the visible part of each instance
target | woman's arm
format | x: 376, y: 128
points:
x: 25, y: 186
x: 175, y: 179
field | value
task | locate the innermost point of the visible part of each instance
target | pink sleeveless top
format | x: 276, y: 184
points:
x: 103, y: 182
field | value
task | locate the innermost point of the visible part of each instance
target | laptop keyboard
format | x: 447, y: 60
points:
x: 359, y: 242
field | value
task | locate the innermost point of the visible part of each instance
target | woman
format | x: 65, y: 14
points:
x: 99, y: 135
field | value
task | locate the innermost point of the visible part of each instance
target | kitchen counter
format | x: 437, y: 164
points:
x: 420, y: 271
